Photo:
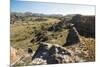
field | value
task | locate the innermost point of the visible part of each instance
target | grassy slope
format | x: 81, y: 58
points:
x: 23, y: 33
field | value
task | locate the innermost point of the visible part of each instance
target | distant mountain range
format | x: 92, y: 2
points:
x: 35, y: 14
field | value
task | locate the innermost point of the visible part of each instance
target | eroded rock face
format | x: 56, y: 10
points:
x: 85, y: 25
x: 53, y: 54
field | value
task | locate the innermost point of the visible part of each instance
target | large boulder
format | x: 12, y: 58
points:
x: 53, y: 54
x: 84, y: 24
x: 73, y: 36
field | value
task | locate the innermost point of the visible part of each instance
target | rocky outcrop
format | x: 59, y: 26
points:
x: 56, y: 27
x: 40, y: 37
x: 84, y: 24
x: 53, y: 54
x: 73, y: 36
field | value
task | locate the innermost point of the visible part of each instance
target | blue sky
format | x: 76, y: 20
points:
x: 51, y: 8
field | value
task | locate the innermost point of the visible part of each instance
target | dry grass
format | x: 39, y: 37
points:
x: 22, y: 33
x: 90, y: 45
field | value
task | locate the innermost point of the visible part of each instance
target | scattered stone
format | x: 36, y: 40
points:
x: 40, y: 37
x: 30, y: 50
x: 38, y: 61
x: 56, y: 27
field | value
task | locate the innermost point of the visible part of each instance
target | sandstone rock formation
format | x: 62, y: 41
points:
x: 13, y: 55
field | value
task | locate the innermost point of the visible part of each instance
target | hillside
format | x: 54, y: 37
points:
x: 71, y: 36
